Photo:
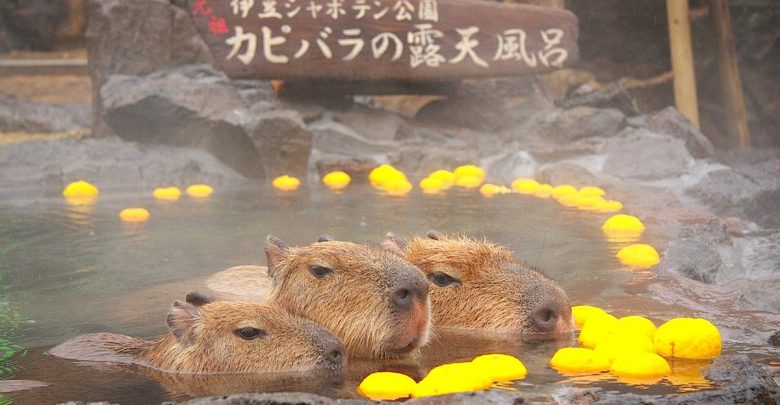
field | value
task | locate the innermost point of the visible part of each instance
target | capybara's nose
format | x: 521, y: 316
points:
x: 335, y: 354
x: 330, y: 347
x: 408, y: 292
x: 551, y: 316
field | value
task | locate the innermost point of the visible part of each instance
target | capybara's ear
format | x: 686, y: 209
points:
x: 183, y: 318
x: 197, y: 298
x: 275, y: 252
x: 435, y: 235
x: 325, y: 238
x: 394, y: 244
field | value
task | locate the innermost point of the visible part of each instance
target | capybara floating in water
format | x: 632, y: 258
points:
x: 374, y: 301
x: 208, y: 336
x: 480, y: 285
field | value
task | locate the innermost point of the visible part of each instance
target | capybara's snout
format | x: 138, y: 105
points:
x: 553, y: 315
x: 330, y: 349
x: 410, y: 289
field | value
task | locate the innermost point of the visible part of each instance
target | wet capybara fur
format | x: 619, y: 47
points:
x: 211, y: 337
x: 476, y: 284
x: 374, y: 301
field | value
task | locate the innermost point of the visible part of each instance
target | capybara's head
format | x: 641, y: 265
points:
x: 235, y: 337
x: 374, y: 301
x: 476, y: 284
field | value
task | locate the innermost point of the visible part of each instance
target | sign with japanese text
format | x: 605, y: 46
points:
x: 410, y: 40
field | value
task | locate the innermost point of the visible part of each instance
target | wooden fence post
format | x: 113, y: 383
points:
x: 731, y: 84
x: 682, y: 59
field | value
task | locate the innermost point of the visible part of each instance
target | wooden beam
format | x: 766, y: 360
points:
x: 731, y: 84
x: 682, y: 59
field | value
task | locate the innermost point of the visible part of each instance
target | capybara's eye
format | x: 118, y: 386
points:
x: 250, y: 333
x: 442, y: 279
x: 320, y: 271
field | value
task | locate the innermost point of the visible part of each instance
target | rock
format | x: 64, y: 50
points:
x: 18, y: 115
x: 282, y: 141
x: 493, y: 396
x: 749, y: 189
x: 332, y: 137
x: 760, y: 257
x: 373, y: 124
x: 30, y: 24
x: 669, y: 121
x: 281, y: 398
x: 506, y: 167
x: 137, y: 37
x: 567, y: 173
x: 357, y: 167
x: 738, y: 381
x: 565, y: 126
x: 643, y: 155
x: 187, y: 106
x: 757, y: 296
x: 488, y: 104
x: 691, y: 258
x: 774, y: 340
x: 44, y: 167
x: 713, y: 233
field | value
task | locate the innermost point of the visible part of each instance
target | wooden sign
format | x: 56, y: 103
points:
x: 380, y: 40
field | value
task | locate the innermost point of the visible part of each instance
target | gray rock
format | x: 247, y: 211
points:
x: 760, y: 256
x: 774, y: 340
x: 18, y: 115
x: 493, y: 396
x: 713, y: 233
x: 281, y: 398
x: 137, y: 37
x: 184, y: 106
x: 564, y: 126
x: 332, y: 137
x: 488, y: 104
x: 506, y: 167
x: 567, y: 173
x: 748, y: 189
x: 669, y: 121
x: 373, y: 124
x: 30, y: 24
x: 691, y: 258
x: 357, y: 167
x: 740, y: 381
x: 44, y: 167
x: 282, y: 141
x: 643, y: 155
x: 757, y: 296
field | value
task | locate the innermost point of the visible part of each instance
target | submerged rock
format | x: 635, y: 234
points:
x: 18, y: 115
x: 186, y: 106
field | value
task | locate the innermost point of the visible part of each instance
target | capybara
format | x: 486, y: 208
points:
x: 476, y: 284
x: 207, y: 336
x: 374, y: 301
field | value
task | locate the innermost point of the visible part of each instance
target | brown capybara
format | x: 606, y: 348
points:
x: 480, y: 285
x: 374, y: 301
x: 207, y: 336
